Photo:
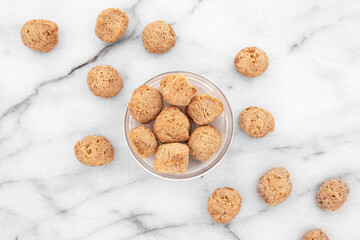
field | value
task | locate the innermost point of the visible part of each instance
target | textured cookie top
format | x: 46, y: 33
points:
x: 104, y: 81
x: 332, y: 194
x: 315, y: 234
x: 177, y: 90
x: 172, y: 125
x: 204, y: 142
x: 94, y: 150
x: 256, y: 122
x: 143, y: 141
x: 172, y: 158
x: 158, y: 37
x: 40, y: 35
x: 111, y: 24
x: 275, y: 186
x: 224, y: 204
x: 204, y: 108
x: 251, y: 62
x: 145, y: 104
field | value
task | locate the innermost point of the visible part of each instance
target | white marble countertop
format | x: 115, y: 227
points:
x: 311, y: 87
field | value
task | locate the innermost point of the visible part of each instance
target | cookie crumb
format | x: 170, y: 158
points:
x: 332, y: 194
x: 94, y: 150
x: 111, y: 24
x: 251, y: 62
x: 104, y: 81
x: 224, y: 204
x: 158, y: 37
x: 40, y: 35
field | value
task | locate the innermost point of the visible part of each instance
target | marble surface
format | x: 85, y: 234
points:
x: 311, y: 87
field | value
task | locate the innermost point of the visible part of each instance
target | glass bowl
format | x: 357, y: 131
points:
x: 224, y: 123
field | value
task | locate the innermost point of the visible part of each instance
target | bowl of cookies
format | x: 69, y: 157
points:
x: 178, y: 125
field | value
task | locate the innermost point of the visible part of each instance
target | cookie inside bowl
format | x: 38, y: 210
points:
x: 224, y: 123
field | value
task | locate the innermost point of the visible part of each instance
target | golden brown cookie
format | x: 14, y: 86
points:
x: 172, y: 158
x: 143, y: 141
x: 256, y: 122
x: 172, y: 125
x: 145, y: 104
x: 104, y: 81
x: 94, y: 150
x: 111, y: 24
x: 275, y: 186
x: 204, y: 142
x: 224, y: 204
x: 315, y: 234
x: 332, y: 194
x: 251, y: 62
x: 40, y: 35
x: 204, y: 108
x: 177, y: 90
x: 158, y: 37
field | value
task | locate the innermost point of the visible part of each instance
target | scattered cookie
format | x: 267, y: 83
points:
x: 251, y: 62
x: 145, y: 104
x: 204, y: 142
x: 143, y: 141
x: 256, y: 122
x: 104, y: 81
x: 40, y: 35
x: 111, y: 24
x: 224, y: 204
x: 332, y: 194
x: 94, y: 150
x: 177, y: 90
x: 172, y: 125
x: 158, y: 37
x: 275, y: 186
x: 172, y: 158
x: 315, y: 234
x: 204, y: 108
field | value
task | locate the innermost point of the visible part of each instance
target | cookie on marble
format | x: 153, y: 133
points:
x: 158, y: 37
x: 172, y: 125
x: 111, y: 24
x: 94, y: 150
x: 143, y: 141
x: 315, y: 234
x: 224, y: 204
x: 204, y: 108
x: 275, y: 186
x: 104, y: 81
x: 40, y: 35
x: 204, y: 142
x: 251, y: 62
x: 172, y: 158
x: 256, y: 122
x: 332, y: 194
x: 145, y: 104
x: 177, y: 90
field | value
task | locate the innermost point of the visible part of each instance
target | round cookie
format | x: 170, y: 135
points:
x: 40, y: 35
x: 104, y: 81
x: 332, y: 194
x: 94, y: 150
x: 158, y: 37
x: 204, y: 142
x: 111, y: 24
x: 172, y: 125
x: 177, y: 90
x: 275, y: 186
x: 315, y: 234
x: 172, y: 158
x: 143, y: 141
x: 251, y: 62
x: 224, y: 204
x: 256, y: 122
x: 204, y: 108
x: 145, y: 104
